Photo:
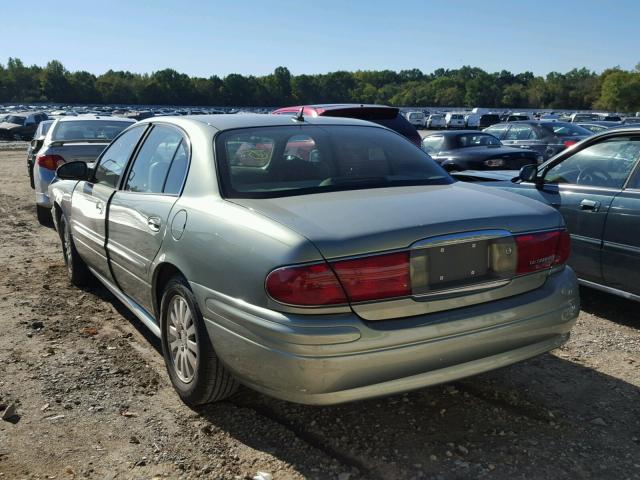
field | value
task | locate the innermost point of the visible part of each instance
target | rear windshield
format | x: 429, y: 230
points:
x: 88, y: 130
x: 269, y: 162
x: 490, y: 118
x: 562, y: 129
x: 15, y: 119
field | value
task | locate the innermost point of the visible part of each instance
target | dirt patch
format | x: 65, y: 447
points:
x: 93, y: 399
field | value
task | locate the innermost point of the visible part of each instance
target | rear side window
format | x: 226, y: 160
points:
x: 116, y: 156
x: 152, y: 164
x: 178, y: 170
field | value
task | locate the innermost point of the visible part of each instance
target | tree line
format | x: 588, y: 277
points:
x: 614, y: 89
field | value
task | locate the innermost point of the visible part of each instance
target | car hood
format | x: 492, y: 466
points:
x: 361, y: 221
x: 9, y: 126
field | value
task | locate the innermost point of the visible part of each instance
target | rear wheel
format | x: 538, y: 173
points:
x: 44, y: 216
x: 77, y: 270
x: 197, y: 374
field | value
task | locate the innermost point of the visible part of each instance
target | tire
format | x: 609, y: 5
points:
x: 196, y: 372
x: 77, y: 270
x: 31, y: 180
x: 44, y: 216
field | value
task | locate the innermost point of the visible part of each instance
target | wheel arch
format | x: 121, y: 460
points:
x: 164, y: 272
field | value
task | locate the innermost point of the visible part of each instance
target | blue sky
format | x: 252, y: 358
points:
x: 205, y: 37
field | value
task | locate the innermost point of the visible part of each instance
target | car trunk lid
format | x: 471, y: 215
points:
x: 455, y: 235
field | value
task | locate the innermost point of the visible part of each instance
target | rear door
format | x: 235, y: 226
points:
x: 90, y: 200
x: 139, y: 211
x: 621, y: 240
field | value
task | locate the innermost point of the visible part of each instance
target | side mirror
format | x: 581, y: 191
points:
x: 529, y: 173
x: 73, y: 171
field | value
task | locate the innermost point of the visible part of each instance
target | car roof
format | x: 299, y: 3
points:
x: 249, y: 120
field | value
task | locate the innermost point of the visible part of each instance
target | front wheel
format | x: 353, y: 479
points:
x: 196, y: 372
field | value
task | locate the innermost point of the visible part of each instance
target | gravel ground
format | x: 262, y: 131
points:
x: 93, y: 399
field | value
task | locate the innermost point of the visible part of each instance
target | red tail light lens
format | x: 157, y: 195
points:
x: 369, y: 278
x: 376, y: 277
x: 50, y: 162
x: 568, y: 143
x: 540, y: 251
x: 306, y: 285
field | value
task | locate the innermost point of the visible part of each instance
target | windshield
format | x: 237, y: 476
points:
x: 88, y: 129
x: 271, y: 162
x: 15, y: 119
x: 476, y: 140
x: 562, y: 129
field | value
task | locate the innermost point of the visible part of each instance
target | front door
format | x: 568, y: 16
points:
x: 139, y: 212
x: 583, y: 187
x: 90, y: 202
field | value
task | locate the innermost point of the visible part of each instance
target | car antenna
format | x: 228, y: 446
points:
x: 300, y: 116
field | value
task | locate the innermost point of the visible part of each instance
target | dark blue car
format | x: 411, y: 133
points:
x: 596, y: 186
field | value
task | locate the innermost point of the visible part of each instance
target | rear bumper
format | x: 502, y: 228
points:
x: 327, y: 359
x: 42, y: 178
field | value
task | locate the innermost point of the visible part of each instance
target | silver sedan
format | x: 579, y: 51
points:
x: 318, y: 260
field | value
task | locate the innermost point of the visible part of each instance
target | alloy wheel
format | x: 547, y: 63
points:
x: 181, y: 338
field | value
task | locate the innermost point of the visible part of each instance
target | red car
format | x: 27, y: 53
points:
x: 389, y: 117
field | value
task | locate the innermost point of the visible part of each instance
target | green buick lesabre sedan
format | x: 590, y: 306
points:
x: 317, y: 260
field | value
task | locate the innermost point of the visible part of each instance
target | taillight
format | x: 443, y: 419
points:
x: 375, y: 277
x: 50, y: 162
x: 568, y: 143
x: 540, y: 251
x: 305, y: 285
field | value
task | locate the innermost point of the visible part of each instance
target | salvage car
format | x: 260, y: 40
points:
x: 545, y: 137
x: 473, y: 150
x: 20, y: 126
x: 320, y: 280
x: 596, y: 186
x: 70, y: 139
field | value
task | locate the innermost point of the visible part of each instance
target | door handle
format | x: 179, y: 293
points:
x: 154, y: 223
x: 592, y: 205
x: 99, y: 207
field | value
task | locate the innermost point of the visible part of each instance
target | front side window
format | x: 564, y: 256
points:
x: 296, y: 160
x: 604, y: 164
x: 116, y: 156
x: 152, y: 163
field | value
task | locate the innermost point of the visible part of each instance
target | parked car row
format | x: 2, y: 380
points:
x: 338, y: 280
x: 314, y: 258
